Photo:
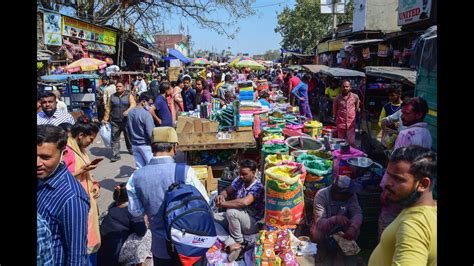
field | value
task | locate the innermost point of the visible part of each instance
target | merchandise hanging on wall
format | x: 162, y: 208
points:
x: 52, y: 29
x: 366, y: 53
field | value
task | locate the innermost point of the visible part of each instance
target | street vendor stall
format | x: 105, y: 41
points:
x: 375, y: 94
x: 353, y: 76
x: 77, y: 90
x: 126, y: 77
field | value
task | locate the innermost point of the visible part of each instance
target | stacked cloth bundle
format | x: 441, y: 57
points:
x: 246, y: 111
x: 246, y: 92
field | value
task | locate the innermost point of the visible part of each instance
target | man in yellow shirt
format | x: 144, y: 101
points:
x: 333, y: 90
x: 411, y: 239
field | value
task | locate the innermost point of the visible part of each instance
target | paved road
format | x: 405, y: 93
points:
x: 110, y: 174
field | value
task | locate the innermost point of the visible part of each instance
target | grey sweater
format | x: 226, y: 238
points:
x: 140, y: 126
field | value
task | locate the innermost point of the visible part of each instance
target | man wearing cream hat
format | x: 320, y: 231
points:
x: 336, y: 208
x: 147, y: 188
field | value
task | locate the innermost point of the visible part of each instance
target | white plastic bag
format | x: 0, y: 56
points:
x: 106, y: 135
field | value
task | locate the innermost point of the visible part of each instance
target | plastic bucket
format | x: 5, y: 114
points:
x: 313, y: 128
x: 303, y: 143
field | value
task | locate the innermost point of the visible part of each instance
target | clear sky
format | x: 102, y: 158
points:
x: 256, y: 33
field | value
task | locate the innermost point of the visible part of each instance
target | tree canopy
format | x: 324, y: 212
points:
x: 147, y: 16
x: 304, y: 25
x: 271, y: 54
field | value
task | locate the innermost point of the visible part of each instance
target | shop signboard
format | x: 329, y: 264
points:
x: 383, y: 50
x: 333, y: 6
x: 410, y: 11
x: 336, y: 45
x: 85, y: 31
x: 52, y: 29
x: 323, y: 47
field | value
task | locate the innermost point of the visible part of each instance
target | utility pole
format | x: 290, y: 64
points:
x: 334, y: 19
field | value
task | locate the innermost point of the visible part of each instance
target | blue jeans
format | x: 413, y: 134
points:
x: 142, y: 155
x: 92, y: 259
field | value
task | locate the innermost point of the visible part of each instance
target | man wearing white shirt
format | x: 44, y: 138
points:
x: 141, y: 85
x: 60, y: 105
x: 415, y: 132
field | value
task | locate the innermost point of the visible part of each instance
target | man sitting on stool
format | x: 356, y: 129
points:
x: 244, y: 211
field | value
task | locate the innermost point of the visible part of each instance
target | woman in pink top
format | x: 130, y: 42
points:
x: 176, y: 104
x: 78, y: 163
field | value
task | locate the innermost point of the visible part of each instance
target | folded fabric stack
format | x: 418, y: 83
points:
x: 247, y: 106
x: 246, y: 91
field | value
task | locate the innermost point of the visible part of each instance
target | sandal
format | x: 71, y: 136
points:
x: 234, y: 254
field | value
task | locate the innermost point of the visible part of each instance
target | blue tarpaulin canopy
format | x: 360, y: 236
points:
x: 178, y: 55
x: 65, y: 77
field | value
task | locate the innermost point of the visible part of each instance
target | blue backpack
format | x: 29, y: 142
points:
x: 189, y: 223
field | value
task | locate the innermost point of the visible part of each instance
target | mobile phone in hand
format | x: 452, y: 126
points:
x: 97, y: 160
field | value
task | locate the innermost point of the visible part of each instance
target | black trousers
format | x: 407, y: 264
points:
x: 117, y: 129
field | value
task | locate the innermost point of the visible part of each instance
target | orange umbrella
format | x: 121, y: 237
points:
x: 86, y: 64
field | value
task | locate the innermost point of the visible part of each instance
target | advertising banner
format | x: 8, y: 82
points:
x: 410, y: 11
x: 383, y: 50
x: 52, y: 29
x: 85, y: 31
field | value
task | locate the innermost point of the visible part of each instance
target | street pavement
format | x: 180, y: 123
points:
x: 107, y: 173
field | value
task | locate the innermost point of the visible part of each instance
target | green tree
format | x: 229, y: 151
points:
x: 147, y: 16
x: 304, y: 25
x: 271, y: 54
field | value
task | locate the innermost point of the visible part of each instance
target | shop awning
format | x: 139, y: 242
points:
x: 365, y: 41
x: 342, y: 72
x: 178, y: 55
x: 315, y: 68
x: 403, y: 75
x: 146, y: 50
x: 65, y: 77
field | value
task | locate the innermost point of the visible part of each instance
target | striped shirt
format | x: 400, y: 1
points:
x: 56, y: 119
x: 44, y: 253
x: 64, y: 205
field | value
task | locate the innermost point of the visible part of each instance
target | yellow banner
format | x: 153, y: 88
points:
x: 323, y: 47
x: 86, y: 31
x: 336, y: 45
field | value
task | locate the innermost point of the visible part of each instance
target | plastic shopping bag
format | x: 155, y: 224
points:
x: 106, y: 135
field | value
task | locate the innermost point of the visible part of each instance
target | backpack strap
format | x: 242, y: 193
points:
x: 180, y: 173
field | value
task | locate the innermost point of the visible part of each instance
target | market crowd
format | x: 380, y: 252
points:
x: 72, y: 231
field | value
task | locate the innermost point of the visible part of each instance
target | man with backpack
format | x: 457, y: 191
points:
x: 152, y: 190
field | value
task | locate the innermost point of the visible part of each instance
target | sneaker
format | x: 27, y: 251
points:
x: 114, y: 159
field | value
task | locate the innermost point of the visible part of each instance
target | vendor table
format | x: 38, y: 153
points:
x: 210, y: 141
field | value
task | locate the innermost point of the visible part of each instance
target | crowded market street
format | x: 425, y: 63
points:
x: 153, y: 149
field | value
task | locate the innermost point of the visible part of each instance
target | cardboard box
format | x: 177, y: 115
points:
x: 206, y: 125
x: 213, y: 126
x: 245, y: 129
x: 185, y: 124
x: 197, y: 126
x: 204, y: 174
